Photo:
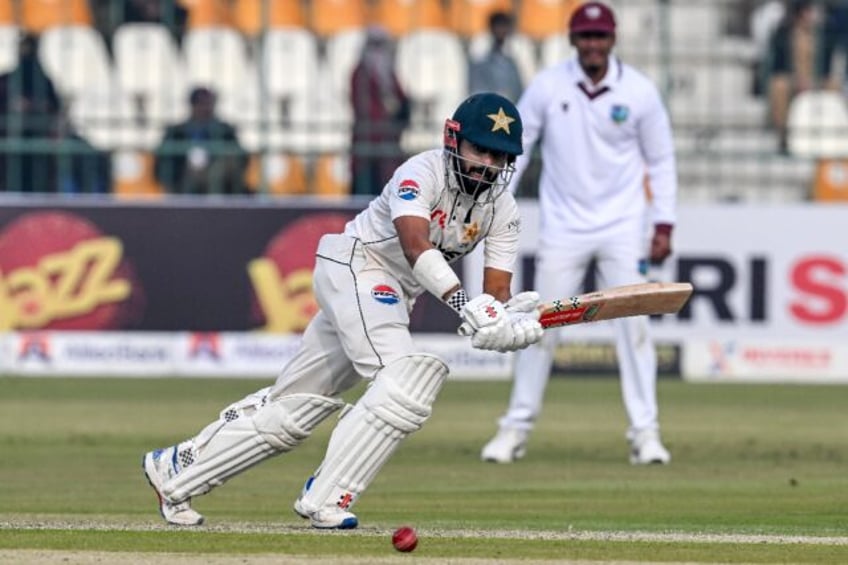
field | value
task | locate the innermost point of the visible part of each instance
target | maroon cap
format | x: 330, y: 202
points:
x: 592, y: 16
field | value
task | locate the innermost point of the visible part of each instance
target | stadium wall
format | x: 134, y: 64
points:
x: 148, y: 289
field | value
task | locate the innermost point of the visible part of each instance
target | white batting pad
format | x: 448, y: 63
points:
x: 397, y: 403
x: 246, y: 434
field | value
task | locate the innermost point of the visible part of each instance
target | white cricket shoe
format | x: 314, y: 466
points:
x: 647, y: 449
x: 159, y: 466
x: 508, y: 445
x: 327, y: 518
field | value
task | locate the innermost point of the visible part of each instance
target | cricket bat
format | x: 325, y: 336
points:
x: 616, y: 302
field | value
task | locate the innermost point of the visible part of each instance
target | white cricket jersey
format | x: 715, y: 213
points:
x: 597, y: 142
x: 458, y: 223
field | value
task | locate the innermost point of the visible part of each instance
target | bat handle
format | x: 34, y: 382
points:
x: 465, y: 329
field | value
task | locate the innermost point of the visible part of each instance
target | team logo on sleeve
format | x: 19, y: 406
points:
x: 384, y: 294
x: 408, y: 189
x: 619, y: 113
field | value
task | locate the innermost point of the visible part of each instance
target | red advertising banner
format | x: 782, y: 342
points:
x: 178, y: 265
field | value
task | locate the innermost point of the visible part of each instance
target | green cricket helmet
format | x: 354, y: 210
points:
x: 492, y: 123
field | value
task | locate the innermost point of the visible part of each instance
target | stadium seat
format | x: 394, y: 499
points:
x: 708, y: 91
x: 695, y: 22
x: 637, y: 27
x: 329, y: 17
x: 831, y: 182
x: 290, y: 62
x: 403, y: 16
x: 259, y: 119
x: 431, y: 66
x: 276, y: 174
x: 319, y: 124
x: 332, y: 175
x: 38, y: 16
x: 252, y: 17
x: 133, y: 174
x: 76, y: 59
x: 341, y: 56
x: 818, y: 125
x: 216, y: 57
x: 540, y: 19
x: 207, y: 13
x: 150, y: 70
x: 519, y: 46
x: 720, y: 141
x: 554, y: 49
x: 470, y: 17
x: 7, y: 13
x: 290, y: 95
x: 9, y: 42
x: 108, y: 120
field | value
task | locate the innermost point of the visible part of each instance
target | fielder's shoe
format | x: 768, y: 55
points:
x: 327, y: 518
x: 159, y: 466
x: 647, y: 449
x: 507, y: 446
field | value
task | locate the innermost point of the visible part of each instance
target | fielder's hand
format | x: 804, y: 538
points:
x: 523, y: 314
x: 486, y: 318
x: 661, y: 244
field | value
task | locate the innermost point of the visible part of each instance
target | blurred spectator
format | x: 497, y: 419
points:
x: 381, y: 111
x: 740, y: 17
x: 763, y: 20
x: 797, y: 60
x: 201, y: 155
x: 836, y: 40
x: 497, y: 70
x: 109, y: 14
x: 77, y: 167
x: 60, y: 161
x: 28, y: 99
x: 28, y: 108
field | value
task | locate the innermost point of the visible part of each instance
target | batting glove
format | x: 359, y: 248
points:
x: 523, y: 314
x: 487, y: 320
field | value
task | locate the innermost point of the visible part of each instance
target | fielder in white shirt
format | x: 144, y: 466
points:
x: 602, y: 126
x: 438, y: 207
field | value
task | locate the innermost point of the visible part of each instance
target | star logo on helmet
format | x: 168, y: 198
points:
x: 500, y: 121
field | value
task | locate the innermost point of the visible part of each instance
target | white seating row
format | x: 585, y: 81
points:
x: 818, y: 125
x: 289, y: 94
x: 277, y: 97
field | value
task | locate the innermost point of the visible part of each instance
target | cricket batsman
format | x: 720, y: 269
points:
x: 437, y: 207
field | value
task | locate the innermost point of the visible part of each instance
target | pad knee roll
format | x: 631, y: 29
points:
x: 396, y: 404
x: 403, y: 393
x: 248, y: 438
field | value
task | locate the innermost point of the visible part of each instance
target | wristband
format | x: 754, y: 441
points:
x: 458, y: 300
x: 433, y: 273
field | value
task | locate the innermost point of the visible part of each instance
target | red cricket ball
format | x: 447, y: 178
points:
x: 405, y: 539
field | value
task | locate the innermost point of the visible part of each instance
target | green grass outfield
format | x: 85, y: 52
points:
x: 759, y: 475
